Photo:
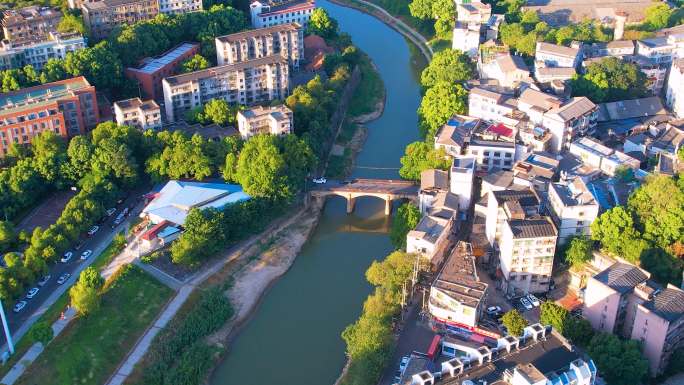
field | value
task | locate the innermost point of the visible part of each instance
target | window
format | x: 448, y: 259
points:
x: 467, y: 311
x: 497, y: 154
x: 582, y: 213
x: 579, y: 230
x: 580, y: 223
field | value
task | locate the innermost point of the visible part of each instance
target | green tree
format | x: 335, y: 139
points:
x: 70, y: 22
x: 351, y: 55
x: 451, y: 66
x: 623, y: 80
x: 41, y: 332
x: 90, y: 277
x: 205, y: 236
x: 100, y: 65
x: 115, y: 160
x: 331, y: 62
x: 32, y: 76
x: 593, y: 86
x: 676, y: 363
x: 194, y: 63
x: 261, y: 167
x: 421, y: 9
x: 578, y: 330
x: 657, y: 17
x: 554, y: 315
x: 619, y: 362
x: 515, y: 323
x: 421, y: 156
x: 406, y: 220
x: 219, y: 112
x: 8, y: 235
x: 322, y: 24
x: 84, y: 299
x: 615, y: 230
x: 664, y: 267
x: 54, y: 70
x: 658, y: 209
x: 196, y: 115
x: 579, y: 251
x: 444, y: 14
x: 391, y: 273
x: 439, y: 104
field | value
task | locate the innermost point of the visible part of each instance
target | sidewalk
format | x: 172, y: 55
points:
x: 37, y: 348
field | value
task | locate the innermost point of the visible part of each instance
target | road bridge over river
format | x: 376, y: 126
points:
x: 388, y: 190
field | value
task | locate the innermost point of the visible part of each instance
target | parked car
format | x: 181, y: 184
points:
x: 86, y: 254
x: 43, y: 281
x: 67, y: 256
x: 32, y: 293
x: 63, y: 278
x: 397, y: 376
x: 111, y: 211
x: 102, y: 220
x: 348, y: 181
x: 20, y: 305
x: 533, y: 300
x: 403, y: 363
x: 492, y: 310
x: 78, y: 245
x: 93, y: 230
x: 320, y: 181
x: 526, y: 303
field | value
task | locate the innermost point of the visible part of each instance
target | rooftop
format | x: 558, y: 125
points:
x: 668, y: 305
x: 479, y: 91
x: 556, y: 71
x: 18, y: 16
x: 669, y: 141
x: 177, y: 198
x: 627, y: 109
x: 458, y: 277
x: 445, y: 205
x: 558, y: 50
x: 429, y: 228
x: 214, y: 71
x: 434, y: 179
x: 292, y: 27
x: 621, y: 277
x: 156, y: 63
x: 135, y: 103
x: 478, y: 142
x: 541, y: 100
x: 463, y: 164
x: 40, y: 96
x: 589, y: 145
x: 456, y: 130
x: 574, y: 193
x: 103, y: 4
x: 210, y: 132
x: 498, y: 177
x: 511, y: 62
x: 572, y: 109
x: 286, y: 6
x: 562, y: 12
x: 532, y: 228
x: 524, y: 197
x: 279, y: 112
x: 615, y: 44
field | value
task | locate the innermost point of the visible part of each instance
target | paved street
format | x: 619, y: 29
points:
x: 20, y: 322
x: 368, y: 185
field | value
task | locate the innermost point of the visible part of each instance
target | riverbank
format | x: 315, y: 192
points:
x: 390, y: 21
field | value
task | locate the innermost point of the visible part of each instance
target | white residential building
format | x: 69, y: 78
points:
x: 246, y: 83
x: 284, y: 39
x: 490, y: 153
x: 599, y: 156
x: 505, y: 204
x: 508, y: 70
x: 578, y: 373
x: 545, y: 74
x: 572, y: 207
x: 267, y: 13
x: 144, y: 115
x: 475, y: 12
x: 432, y: 182
x: 617, y: 48
x: 455, y: 133
x: 662, y: 49
x: 274, y: 120
x: 675, y: 89
x: 38, y: 51
x: 466, y: 38
x: 655, y: 71
x: 462, y: 175
x: 429, y: 238
x: 178, y: 6
x: 492, y: 107
x: 553, y: 55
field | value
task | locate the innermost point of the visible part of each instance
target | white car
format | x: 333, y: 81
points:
x: 403, y: 363
x: 111, y: 212
x: 526, y: 303
x: 493, y: 310
x: 93, y: 230
x: 86, y: 254
x: 533, y: 300
x: 32, y: 293
x: 20, y: 305
x: 63, y: 278
x: 320, y: 181
x: 67, y: 256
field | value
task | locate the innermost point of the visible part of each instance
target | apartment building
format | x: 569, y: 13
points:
x: 462, y: 176
x: 473, y: 12
x: 508, y: 70
x: 572, y: 207
x: 492, y: 106
x: 37, y: 51
x: 274, y: 120
x: 26, y: 23
x: 536, y: 171
x: 498, y: 208
x: 466, y: 37
x: 432, y: 182
x: 144, y: 115
x: 655, y: 71
x: 150, y: 71
x: 267, y: 13
x: 535, y: 138
x: 457, y: 294
x: 281, y: 39
x: 599, y: 156
x: 489, y: 152
x: 545, y: 74
x: 246, y: 83
x: 662, y: 49
x: 553, y: 55
x: 616, y: 48
x: 101, y: 17
x: 179, y: 6
x: 659, y: 324
x: 675, y: 89
x: 430, y: 236
x: 67, y: 108
x: 456, y: 133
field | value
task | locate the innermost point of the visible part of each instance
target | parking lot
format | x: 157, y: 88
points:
x: 48, y: 212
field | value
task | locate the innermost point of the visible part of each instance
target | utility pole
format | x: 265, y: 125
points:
x: 7, y: 332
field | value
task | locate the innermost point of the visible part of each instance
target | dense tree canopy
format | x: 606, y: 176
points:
x: 515, y: 323
x: 610, y: 80
x: 406, y: 220
x: 619, y: 362
x: 41, y: 332
x: 71, y: 22
x: 579, y: 251
x: 438, y: 105
x: 451, y: 66
x: 554, y: 315
x: 194, y: 63
x: 322, y: 24
x: 421, y: 156
x: 391, y: 273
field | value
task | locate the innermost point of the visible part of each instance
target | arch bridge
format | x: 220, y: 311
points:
x: 388, y: 190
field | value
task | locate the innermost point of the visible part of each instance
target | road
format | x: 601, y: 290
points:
x: 369, y: 186
x: 38, y: 304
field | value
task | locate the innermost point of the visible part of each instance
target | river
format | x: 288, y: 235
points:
x: 294, y: 336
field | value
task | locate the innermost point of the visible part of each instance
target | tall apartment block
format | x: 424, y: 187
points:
x: 38, y: 51
x: 267, y: 13
x: 247, y: 82
x: 274, y: 120
x: 179, y: 6
x: 572, y: 207
x: 284, y: 39
x: 66, y: 107
x: 101, y: 17
x: 151, y: 70
x: 30, y: 22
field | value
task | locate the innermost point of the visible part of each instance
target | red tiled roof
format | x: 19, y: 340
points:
x: 152, y: 233
x: 501, y: 130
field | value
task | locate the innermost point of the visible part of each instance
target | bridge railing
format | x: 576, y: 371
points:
x: 383, y: 181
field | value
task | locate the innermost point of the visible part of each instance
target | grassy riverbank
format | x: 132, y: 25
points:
x: 369, y: 95
x: 91, y: 346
